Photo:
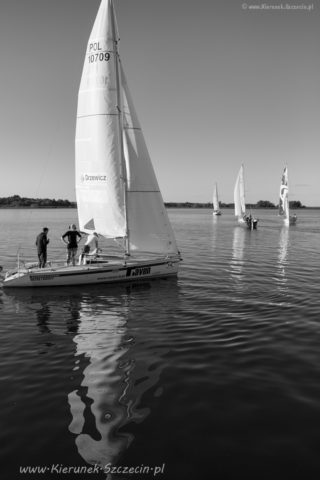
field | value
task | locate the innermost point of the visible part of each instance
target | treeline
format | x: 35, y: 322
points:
x: 19, y: 202
x: 259, y: 204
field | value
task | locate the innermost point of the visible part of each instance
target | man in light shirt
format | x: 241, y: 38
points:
x: 91, y: 246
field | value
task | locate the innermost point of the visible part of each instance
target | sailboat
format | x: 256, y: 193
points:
x: 216, y: 210
x: 284, y: 200
x: 240, y: 203
x: 117, y: 192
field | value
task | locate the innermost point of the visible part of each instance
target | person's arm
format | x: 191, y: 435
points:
x: 63, y: 238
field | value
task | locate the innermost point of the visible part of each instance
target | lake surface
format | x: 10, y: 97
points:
x: 215, y: 374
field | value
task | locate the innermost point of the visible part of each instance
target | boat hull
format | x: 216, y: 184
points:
x: 110, y: 272
x: 250, y: 223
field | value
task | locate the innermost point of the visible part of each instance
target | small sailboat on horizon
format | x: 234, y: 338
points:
x: 284, y: 209
x: 215, y: 202
x: 240, y: 204
x: 117, y: 192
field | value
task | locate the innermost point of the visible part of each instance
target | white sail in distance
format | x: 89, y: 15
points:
x: 239, y: 197
x: 215, y: 200
x: 283, y: 197
x: 120, y: 196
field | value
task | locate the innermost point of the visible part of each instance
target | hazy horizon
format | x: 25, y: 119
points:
x: 215, y: 84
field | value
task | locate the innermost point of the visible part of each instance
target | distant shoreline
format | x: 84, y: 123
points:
x: 16, y: 201
x: 25, y: 207
x: 167, y: 205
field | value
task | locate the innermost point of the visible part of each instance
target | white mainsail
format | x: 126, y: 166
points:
x: 239, y: 198
x: 100, y: 187
x: 117, y: 191
x: 215, y: 198
x: 283, y: 197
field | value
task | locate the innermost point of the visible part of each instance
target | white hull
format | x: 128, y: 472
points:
x: 289, y: 221
x: 216, y: 212
x: 242, y: 222
x: 113, y: 271
x: 250, y: 224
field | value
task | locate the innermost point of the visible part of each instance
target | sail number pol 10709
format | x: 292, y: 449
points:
x: 96, y: 54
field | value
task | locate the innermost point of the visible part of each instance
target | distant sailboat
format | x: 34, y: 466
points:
x: 117, y: 191
x: 240, y: 203
x: 216, y: 210
x: 284, y: 200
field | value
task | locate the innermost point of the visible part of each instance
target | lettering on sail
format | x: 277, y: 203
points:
x: 96, y: 54
x: 93, y: 178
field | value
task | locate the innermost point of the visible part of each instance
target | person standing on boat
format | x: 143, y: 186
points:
x: 73, y: 238
x: 91, y: 246
x: 42, y: 242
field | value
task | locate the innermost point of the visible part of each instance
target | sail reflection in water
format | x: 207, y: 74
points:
x: 100, y: 340
x: 282, y: 259
x: 237, y: 261
x: 101, y: 373
x: 118, y: 365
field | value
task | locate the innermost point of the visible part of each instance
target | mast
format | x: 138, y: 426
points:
x: 120, y: 121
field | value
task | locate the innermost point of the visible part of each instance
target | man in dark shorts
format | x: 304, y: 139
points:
x: 42, y: 242
x: 72, y: 243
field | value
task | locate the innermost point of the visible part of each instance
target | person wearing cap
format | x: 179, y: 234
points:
x: 91, y: 246
x: 73, y: 238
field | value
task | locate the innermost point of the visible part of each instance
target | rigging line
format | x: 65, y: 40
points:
x: 99, y: 115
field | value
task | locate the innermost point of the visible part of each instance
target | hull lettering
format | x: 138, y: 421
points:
x: 137, y: 272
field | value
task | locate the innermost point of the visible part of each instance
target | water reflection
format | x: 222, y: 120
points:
x: 214, y: 234
x: 95, y: 406
x: 117, y: 359
x: 237, y: 262
x: 43, y: 316
x: 282, y: 258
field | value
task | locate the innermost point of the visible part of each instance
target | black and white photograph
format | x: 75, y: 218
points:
x: 160, y: 239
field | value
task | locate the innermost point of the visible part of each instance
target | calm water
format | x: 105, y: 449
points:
x: 217, y: 371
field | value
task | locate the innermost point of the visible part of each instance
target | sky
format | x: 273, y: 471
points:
x: 215, y: 83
